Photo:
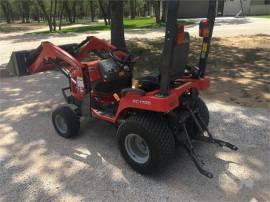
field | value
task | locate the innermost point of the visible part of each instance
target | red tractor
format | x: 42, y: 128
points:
x: 151, y: 112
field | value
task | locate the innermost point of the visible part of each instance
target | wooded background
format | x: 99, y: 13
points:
x: 58, y: 12
x: 54, y: 12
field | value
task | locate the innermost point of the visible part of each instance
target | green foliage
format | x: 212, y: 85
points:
x: 138, y: 23
x: 262, y: 16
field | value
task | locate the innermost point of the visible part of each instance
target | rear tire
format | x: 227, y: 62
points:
x: 66, y: 122
x: 156, y: 139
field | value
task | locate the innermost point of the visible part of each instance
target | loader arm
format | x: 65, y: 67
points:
x: 47, y: 52
x: 69, y: 56
x: 93, y: 44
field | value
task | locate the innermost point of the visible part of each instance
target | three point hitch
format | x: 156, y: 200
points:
x: 204, y: 136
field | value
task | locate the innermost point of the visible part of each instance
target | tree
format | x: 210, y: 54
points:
x: 25, y: 8
x: 36, y: 13
x: 132, y: 9
x: 103, y: 11
x: 117, y: 24
x: 148, y: 6
x: 7, y: 10
x: 54, y: 15
x: 164, y: 11
x: 74, y: 6
x: 92, y: 10
x: 67, y: 10
x: 62, y: 3
x: 45, y: 13
x: 157, y: 11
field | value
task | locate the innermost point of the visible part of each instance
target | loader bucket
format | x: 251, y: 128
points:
x: 20, y: 61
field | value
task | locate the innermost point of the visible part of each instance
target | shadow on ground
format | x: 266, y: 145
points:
x: 238, y: 67
x: 233, y: 21
x: 17, y: 27
x: 38, y: 165
x: 44, y: 36
x: 34, y: 37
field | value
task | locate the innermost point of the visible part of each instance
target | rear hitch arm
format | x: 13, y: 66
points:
x: 198, y: 162
x: 210, y: 139
x: 188, y: 141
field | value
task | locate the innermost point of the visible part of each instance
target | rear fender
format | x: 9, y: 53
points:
x: 152, y: 101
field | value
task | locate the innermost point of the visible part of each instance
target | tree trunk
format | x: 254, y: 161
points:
x: 164, y: 11
x: 81, y: 11
x: 67, y: 10
x: 145, y: 9
x: 51, y: 12
x: 117, y: 24
x: 22, y: 11
x: 36, y: 14
x: 61, y: 15
x: 102, y: 9
x: 10, y: 11
x: 6, y: 11
x: 54, y: 15
x: 132, y: 9
x: 92, y: 11
x: 47, y: 17
x: 109, y: 13
x: 157, y: 11
x: 148, y: 7
x: 74, y: 11
x: 26, y: 11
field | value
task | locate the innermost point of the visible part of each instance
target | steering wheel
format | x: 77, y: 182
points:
x: 123, y: 61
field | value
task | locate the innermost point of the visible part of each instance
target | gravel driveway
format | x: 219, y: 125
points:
x: 225, y: 27
x: 38, y: 165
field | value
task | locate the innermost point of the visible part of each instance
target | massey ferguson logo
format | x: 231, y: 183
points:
x: 144, y: 102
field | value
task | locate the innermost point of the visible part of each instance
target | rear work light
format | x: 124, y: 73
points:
x: 204, y: 28
x: 180, y: 34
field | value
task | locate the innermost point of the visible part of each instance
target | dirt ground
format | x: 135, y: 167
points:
x: 239, y: 67
x: 38, y: 165
x: 17, y: 27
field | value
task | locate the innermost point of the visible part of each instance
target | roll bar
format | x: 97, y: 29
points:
x: 170, y: 39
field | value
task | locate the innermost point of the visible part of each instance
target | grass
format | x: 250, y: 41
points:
x: 262, y: 16
x: 138, y: 23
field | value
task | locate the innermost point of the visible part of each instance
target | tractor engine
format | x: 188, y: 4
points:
x: 107, y: 78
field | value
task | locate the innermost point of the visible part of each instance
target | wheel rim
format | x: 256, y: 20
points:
x: 137, y: 148
x: 61, y: 124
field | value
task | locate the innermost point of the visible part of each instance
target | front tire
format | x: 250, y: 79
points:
x: 146, y: 142
x: 66, y: 122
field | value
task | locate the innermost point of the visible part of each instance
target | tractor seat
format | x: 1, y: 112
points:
x: 146, y: 84
x: 149, y: 82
